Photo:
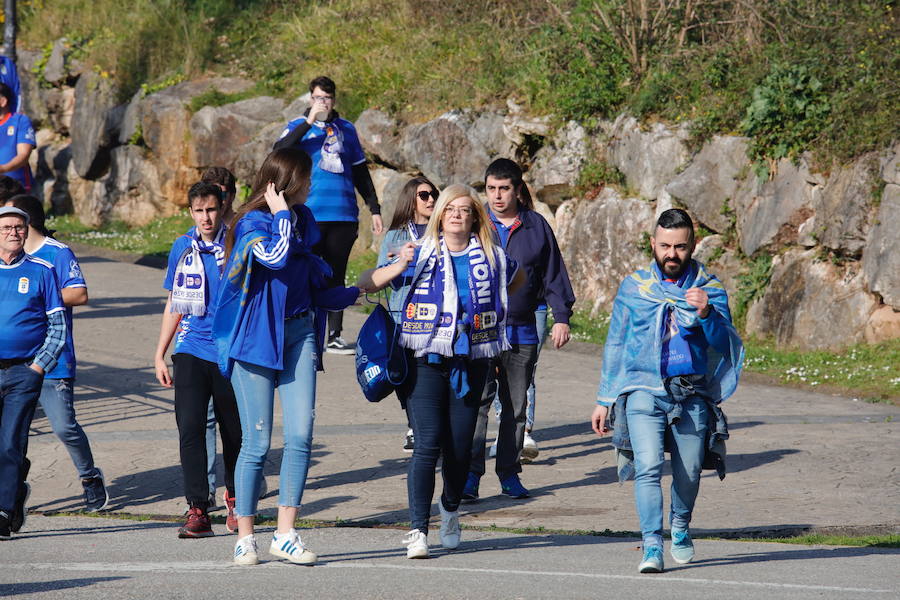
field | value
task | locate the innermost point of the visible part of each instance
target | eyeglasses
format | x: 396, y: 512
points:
x: 423, y: 195
x: 8, y: 229
x: 323, y: 98
x: 464, y: 211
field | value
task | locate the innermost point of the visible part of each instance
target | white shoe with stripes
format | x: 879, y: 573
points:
x: 289, y: 547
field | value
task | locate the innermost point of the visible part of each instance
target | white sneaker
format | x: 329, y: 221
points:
x: 416, y: 544
x: 529, y: 449
x: 492, y: 451
x: 339, y: 345
x: 450, y: 532
x: 289, y: 547
x: 245, y: 551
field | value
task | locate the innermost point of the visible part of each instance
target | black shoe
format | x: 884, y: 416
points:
x: 17, y: 521
x: 4, y: 526
x: 410, y: 444
x: 338, y: 345
x: 96, y: 498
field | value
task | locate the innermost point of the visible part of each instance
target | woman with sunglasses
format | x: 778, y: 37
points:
x: 453, y: 321
x: 414, y: 208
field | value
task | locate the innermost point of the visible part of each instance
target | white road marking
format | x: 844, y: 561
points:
x: 223, y: 567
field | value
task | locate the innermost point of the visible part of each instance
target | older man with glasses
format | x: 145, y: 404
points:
x: 32, y: 336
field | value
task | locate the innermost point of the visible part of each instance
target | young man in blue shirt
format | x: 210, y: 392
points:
x: 32, y: 336
x: 16, y: 140
x: 671, y: 357
x: 192, y: 279
x: 339, y: 166
x: 527, y: 238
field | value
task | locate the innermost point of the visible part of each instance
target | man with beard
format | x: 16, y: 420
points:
x: 671, y: 357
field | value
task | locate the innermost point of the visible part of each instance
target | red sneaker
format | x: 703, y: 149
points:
x: 197, y: 524
x: 231, y: 523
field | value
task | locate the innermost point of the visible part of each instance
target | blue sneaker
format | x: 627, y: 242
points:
x: 653, y: 560
x: 682, y: 548
x: 513, y: 488
x: 470, y: 492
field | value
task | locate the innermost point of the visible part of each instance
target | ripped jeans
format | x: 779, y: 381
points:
x: 254, y: 389
x: 58, y: 402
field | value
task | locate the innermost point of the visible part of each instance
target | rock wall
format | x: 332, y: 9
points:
x: 835, y: 275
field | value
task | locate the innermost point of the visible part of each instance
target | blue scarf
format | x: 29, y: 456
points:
x: 431, y: 319
x: 628, y: 363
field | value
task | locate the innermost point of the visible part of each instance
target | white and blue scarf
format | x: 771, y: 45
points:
x: 189, y: 288
x: 431, y: 317
x: 332, y: 147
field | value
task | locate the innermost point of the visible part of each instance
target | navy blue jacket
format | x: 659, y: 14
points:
x: 534, y: 247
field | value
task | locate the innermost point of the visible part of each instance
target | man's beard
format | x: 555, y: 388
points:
x: 682, y: 266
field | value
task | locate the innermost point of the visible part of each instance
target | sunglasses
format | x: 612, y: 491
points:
x: 423, y: 196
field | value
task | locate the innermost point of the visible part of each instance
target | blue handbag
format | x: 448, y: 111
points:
x: 380, y: 361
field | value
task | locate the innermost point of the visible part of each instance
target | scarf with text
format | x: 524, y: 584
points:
x: 190, y: 290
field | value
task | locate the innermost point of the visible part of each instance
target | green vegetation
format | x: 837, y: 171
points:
x: 752, y: 283
x: 819, y: 539
x: 155, y: 239
x: 809, y: 74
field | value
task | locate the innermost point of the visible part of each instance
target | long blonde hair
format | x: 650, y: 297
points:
x: 481, y: 225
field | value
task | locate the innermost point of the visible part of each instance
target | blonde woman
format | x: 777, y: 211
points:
x: 453, y: 321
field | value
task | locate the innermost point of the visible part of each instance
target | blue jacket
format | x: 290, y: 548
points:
x: 534, y: 247
x: 250, y: 313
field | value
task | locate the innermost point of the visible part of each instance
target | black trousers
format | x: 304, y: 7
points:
x: 195, y: 381
x: 337, y: 240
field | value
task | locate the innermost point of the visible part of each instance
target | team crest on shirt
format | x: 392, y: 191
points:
x: 23, y: 285
x: 11, y: 130
x: 74, y: 270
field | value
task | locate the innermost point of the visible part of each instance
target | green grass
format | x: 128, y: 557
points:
x: 154, y: 239
x: 818, y: 539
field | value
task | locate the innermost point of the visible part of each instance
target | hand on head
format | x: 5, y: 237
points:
x: 274, y: 199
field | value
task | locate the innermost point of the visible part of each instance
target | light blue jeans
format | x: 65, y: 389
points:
x: 58, y: 402
x: 254, y: 388
x: 650, y: 433
x: 540, y: 319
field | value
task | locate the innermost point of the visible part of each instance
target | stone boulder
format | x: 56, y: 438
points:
x: 33, y: 103
x: 250, y: 156
x: 557, y: 166
x: 601, y: 241
x: 721, y: 262
x: 297, y: 108
x: 648, y: 159
x: 890, y: 171
x: 812, y: 304
x: 165, y: 122
x: 881, y: 258
x: 883, y: 325
x: 95, y: 124
x: 844, y: 208
x: 381, y: 136
x: 55, y: 68
x: 770, y: 213
x: 50, y: 175
x: 219, y: 134
x: 711, y: 181
x: 456, y: 147
x: 517, y: 125
x: 128, y: 192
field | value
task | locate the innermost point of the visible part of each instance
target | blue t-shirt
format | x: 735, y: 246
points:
x: 68, y: 275
x: 28, y: 293
x: 517, y: 334
x: 194, y: 334
x: 10, y: 76
x: 331, y: 195
x: 14, y: 130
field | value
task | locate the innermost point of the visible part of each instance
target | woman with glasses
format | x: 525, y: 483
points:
x: 414, y: 208
x: 453, y: 321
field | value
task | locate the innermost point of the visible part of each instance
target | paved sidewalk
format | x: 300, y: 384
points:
x: 797, y: 459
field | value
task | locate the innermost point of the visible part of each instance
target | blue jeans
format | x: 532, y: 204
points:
x: 254, y: 388
x: 443, y: 426
x: 20, y: 387
x: 650, y: 433
x: 540, y: 320
x: 57, y: 400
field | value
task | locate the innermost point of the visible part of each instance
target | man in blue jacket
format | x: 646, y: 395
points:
x: 527, y: 238
x: 671, y: 356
